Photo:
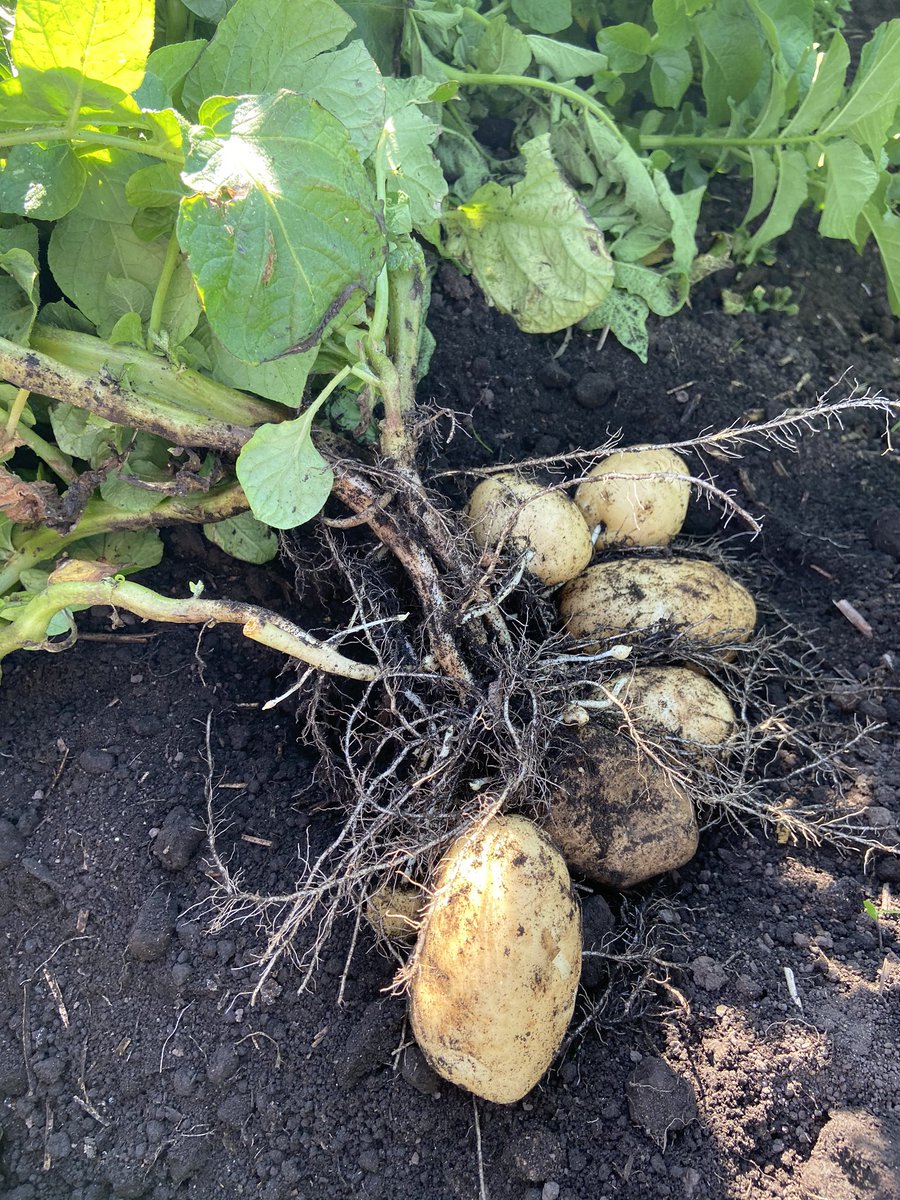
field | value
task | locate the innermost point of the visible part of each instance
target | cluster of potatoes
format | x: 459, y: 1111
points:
x: 495, y: 969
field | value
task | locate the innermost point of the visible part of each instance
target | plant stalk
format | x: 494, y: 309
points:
x: 28, y: 630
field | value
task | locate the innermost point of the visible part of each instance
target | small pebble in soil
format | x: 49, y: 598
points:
x: 370, y: 1042
x: 593, y: 390
x: 153, y: 928
x: 96, y: 762
x: 186, y: 1158
x: 708, y: 974
x: 223, y: 1064
x: 660, y: 1101
x: 417, y: 1073
x: 178, y: 838
x: 884, y: 533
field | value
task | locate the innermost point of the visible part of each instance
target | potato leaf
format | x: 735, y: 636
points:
x: 43, y: 182
x: 18, y: 282
x: 104, y: 40
x: 262, y: 46
x: 245, y: 538
x: 286, y: 479
x: 790, y: 192
x: 546, y: 16
x: 851, y: 181
x: 281, y: 230
x: 534, y: 248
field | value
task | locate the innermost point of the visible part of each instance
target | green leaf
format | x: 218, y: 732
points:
x: 671, y: 74
x: 157, y: 186
x: 283, y: 379
x: 82, y: 435
x: 127, y: 552
x: 534, y: 249
x: 787, y: 26
x: 41, y: 182
x: 826, y: 88
x: 106, y: 270
x: 148, y: 462
x: 625, y: 316
x: 262, y: 46
x: 209, y: 10
x: 281, y: 232
x: 128, y: 331
x: 379, y: 23
x: 732, y: 54
x: 626, y: 46
x: 503, y: 50
x: 546, y: 16
x: 564, y: 60
x: 171, y: 65
x: 790, y: 192
x: 765, y: 176
x: 851, y: 181
x: 871, y: 108
x: 885, y: 227
x: 61, y: 315
x: 18, y: 282
x: 245, y: 538
x: 285, y: 478
x: 349, y: 85
x: 414, y: 171
x: 104, y: 40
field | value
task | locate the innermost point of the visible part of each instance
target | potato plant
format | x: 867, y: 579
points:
x: 217, y: 226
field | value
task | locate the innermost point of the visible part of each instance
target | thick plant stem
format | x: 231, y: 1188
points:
x: 46, y: 545
x: 358, y: 494
x: 28, y: 630
x: 110, y: 398
x: 399, y: 373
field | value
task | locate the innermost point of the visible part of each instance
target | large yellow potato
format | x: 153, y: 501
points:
x: 678, y: 701
x: 496, y: 967
x: 636, y: 595
x: 615, y: 815
x: 531, y: 518
x: 647, y: 511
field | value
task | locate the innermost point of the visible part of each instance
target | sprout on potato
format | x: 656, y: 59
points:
x: 645, y: 510
x: 635, y: 595
x: 677, y: 701
x: 496, y: 966
x: 548, y: 524
x: 617, y: 817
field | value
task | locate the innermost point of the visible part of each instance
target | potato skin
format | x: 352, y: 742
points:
x: 496, y: 967
x: 634, y: 595
x: 548, y: 523
x: 678, y: 701
x: 635, y: 512
x: 615, y: 815
x: 394, y: 912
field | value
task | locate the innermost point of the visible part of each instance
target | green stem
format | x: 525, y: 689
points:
x: 176, y: 22
x: 653, y: 141
x: 16, y: 409
x: 574, y: 95
x: 47, y: 453
x: 28, y: 630
x: 91, y: 137
x: 173, y: 256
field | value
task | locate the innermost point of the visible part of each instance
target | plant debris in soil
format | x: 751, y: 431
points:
x: 133, y: 1063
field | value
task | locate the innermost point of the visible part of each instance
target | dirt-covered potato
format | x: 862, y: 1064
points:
x: 636, y: 595
x: 394, y: 912
x: 647, y: 511
x: 496, y: 967
x: 531, y: 518
x: 614, y: 814
x: 678, y: 701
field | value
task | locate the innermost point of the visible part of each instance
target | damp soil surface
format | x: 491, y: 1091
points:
x: 132, y: 1063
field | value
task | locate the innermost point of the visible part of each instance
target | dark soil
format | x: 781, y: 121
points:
x: 131, y: 1062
